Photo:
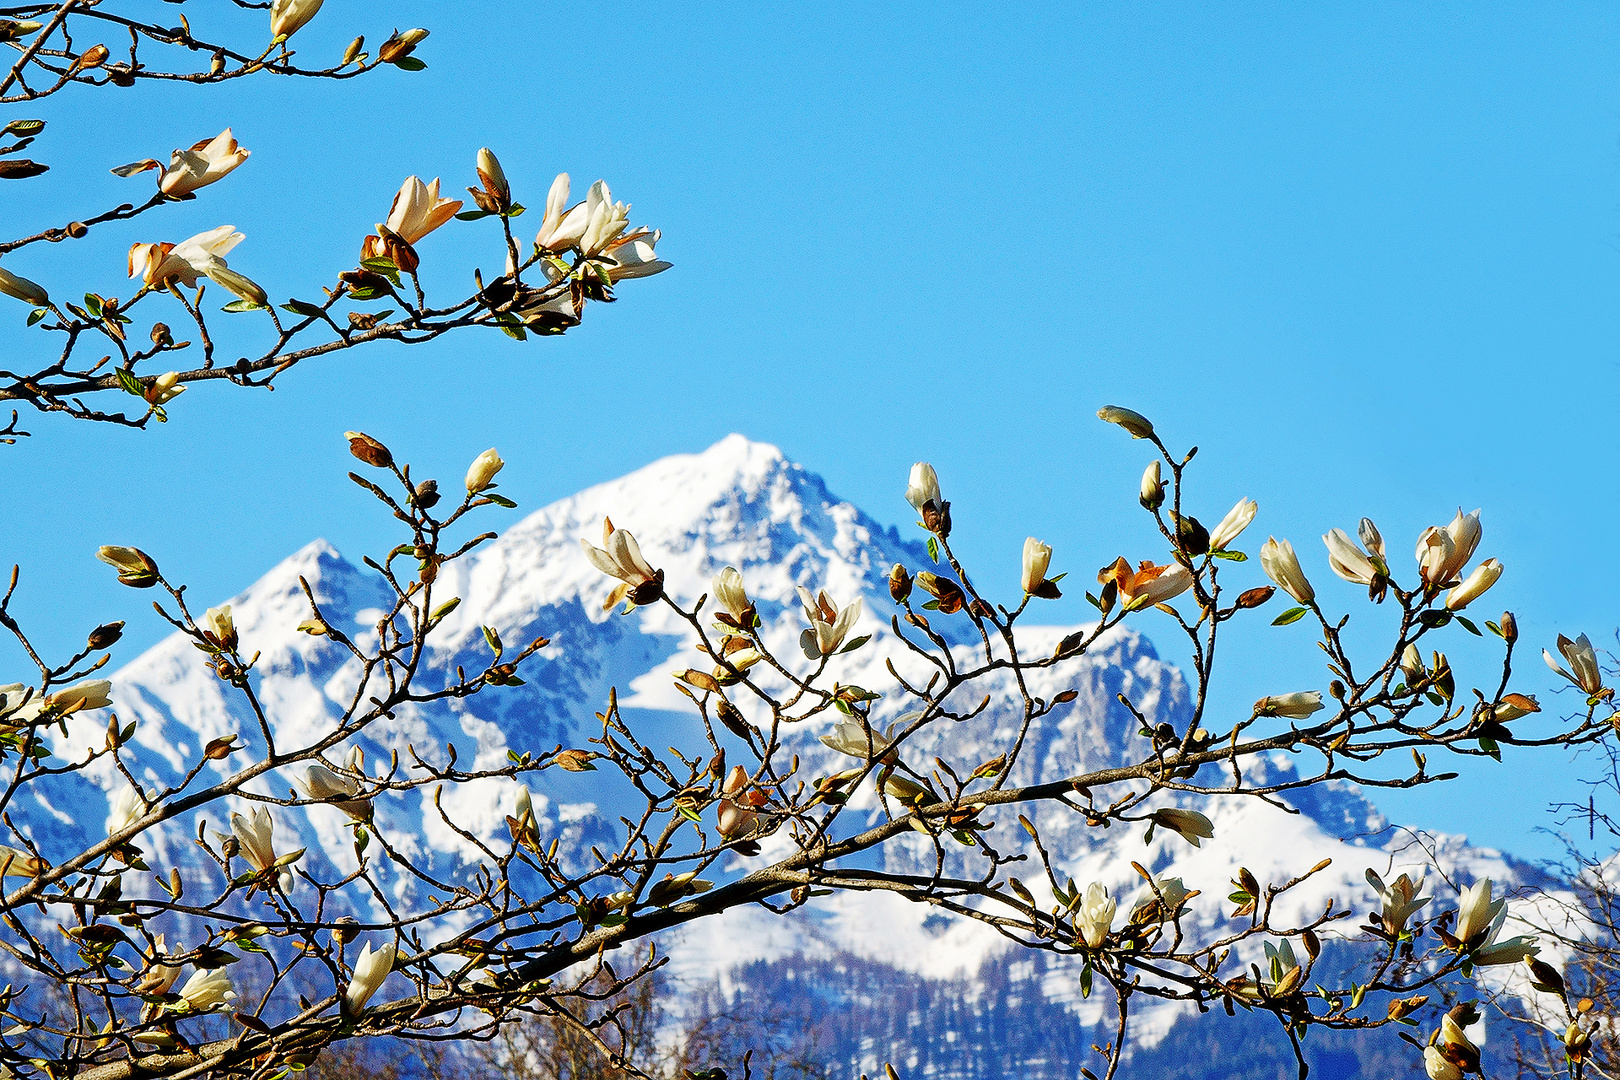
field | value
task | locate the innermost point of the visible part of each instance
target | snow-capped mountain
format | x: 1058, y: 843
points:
x: 742, y: 504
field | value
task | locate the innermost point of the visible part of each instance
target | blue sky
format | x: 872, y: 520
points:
x: 1366, y: 258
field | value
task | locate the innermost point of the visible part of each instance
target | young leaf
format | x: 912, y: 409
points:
x: 1293, y: 614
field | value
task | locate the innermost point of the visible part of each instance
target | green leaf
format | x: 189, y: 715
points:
x: 1085, y: 981
x: 857, y: 643
x: 238, y: 306
x: 932, y: 605
x: 1293, y: 614
x: 92, y: 303
x: 1434, y: 620
x: 302, y: 307
x: 1093, y: 601
x: 472, y: 215
x: 1493, y: 628
x: 933, y: 549
x: 1468, y: 626
x: 1230, y: 556
x: 25, y: 127
x: 408, y: 63
x: 516, y: 211
x: 500, y: 500
x: 37, y: 314
x: 365, y: 294
x: 515, y: 332
x: 1490, y: 747
x: 130, y: 383
x: 381, y: 264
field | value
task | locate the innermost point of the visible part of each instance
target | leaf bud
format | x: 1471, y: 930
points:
x: 899, y: 584
x: 352, y: 53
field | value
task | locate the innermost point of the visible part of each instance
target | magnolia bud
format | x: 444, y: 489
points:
x: 1510, y: 627
x: 399, y: 46
x: 427, y: 494
x: 494, y: 179
x: 483, y: 470
x: 1253, y: 598
x: 352, y: 53
x: 899, y: 584
x: 368, y: 450
x: 135, y: 567
x: 106, y: 635
x: 94, y: 56
x: 1134, y: 422
x: 1152, y: 496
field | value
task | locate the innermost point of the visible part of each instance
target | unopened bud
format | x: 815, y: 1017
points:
x: 93, y: 57
x: 494, y: 179
x: 1152, y: 496
x: 106, y: 635
x: 352, y: 53
x: 899, y: 584
x: 368, y: 450
x: 400, y: 45
x: 1510, y: 627
x: 427, y: 494
x: 161, y: 337
x: 345, y: 929
x: 1134, y: 422
x: 1253, y: 598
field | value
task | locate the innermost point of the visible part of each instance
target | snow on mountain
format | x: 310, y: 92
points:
x: 739, y: 503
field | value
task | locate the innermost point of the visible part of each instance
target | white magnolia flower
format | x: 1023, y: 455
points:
x: 160, y: 265
x: 76, y: 698
x: 323, y: 784
x: 1348, y: 560
x: 1296, y: 706
x: 1172, y: 890
x: 563, y: 225
x: 417, y: 210
x: 1443, y: 552
x: 370, y: 969
x: 1398, y: 900
x: 255, y: 836
x: 1281, y: 565
x: 287, y: 17
x: 1483, y: 577
x: 1190, y: 824
x: 124, y: 809
x: 923, y: 487
x: 620, y: 557
x: 188, y: 170
x: 482, y: 471
x: 207, y: 990
x: 632, y: 255
x: 604, y: 219
x: 1583, y: 666
x: 1236, y: 520
x: 858, y: 740
x: 159, y: 978
x: 732, y: 597
x: 829, y: 624
x: 1037, y: 558
x: 1476, y: 911
x: 1096, y: 915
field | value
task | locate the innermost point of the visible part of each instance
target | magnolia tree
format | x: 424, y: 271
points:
x: 579, y: 253
x: 121, y: 969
